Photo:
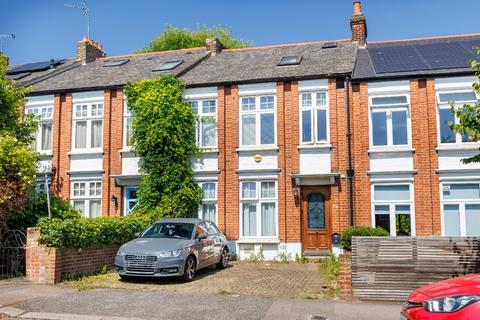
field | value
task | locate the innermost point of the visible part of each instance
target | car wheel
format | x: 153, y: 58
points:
x: 223, y: 263
x: 189, y: 270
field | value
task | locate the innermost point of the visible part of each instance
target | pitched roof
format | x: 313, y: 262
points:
x: 417, y: 57
x: 95, y: 75
x: 26, y: 74
x: 260, y: 64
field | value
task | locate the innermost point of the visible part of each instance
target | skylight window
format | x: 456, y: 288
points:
x: 327, y: 45
x: 115, y: 63
x: 290, y: 60
x: 168, y: 65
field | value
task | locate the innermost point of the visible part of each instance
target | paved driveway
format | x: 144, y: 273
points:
x: 261, y: 279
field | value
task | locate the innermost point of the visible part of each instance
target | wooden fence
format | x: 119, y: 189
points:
x: 389, y: 268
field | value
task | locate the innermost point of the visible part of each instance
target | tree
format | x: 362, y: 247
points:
x: 175, y: 38
x: 17, y: 157
x: 469, y: 115
x: 164, y: 135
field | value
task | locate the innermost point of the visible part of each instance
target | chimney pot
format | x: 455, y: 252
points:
x: 357, y: 7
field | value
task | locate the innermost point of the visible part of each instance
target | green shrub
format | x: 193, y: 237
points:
x: 330, y: 269
x: 36, y: 208
x: 361, y: 231
x: 89, y: 232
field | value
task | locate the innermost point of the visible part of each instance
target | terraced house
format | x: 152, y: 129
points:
x: 307, y: 139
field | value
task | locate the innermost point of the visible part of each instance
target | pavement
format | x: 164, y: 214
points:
x: 28, y: 301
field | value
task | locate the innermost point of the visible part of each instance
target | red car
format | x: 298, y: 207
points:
x: 453, y: 299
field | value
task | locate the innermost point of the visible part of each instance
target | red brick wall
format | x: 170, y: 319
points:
x: 360, y: 146
x: 281, y: 143
x: 291, y: 161
x: 62, y: 137
x: 425, y: 160
x: 231, y: 140
x: 221, y: 138
x: 345, y: 275
x: 51, y: 265
x: 339, y: 156
x: 112, y: 144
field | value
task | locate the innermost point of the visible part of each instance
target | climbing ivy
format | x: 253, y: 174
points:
x: 164, y: 135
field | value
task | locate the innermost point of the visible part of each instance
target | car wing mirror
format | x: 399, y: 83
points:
x: 202, y: 236
x: 137, y: 234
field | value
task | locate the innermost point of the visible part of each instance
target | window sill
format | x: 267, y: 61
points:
x: 257, y: 148
x: 208, y: 150
x: 86, y: 152
x: 391, y: 150
x: 258, y: 240
x: 46, y: 153
x: 458, y: 147
x: 314, y: 146
x: 126, y: 150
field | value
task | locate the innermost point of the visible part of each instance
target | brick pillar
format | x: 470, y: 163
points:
x: 361, y: 160
x: 345, y: 275
x: 62, y: 137
x: 425, y: 160
x: 339, y: 156
x: 221, y: 138
x: 231, y: 142
x: 42, y: 263
x: 292, y: 160
x: 281, y: 143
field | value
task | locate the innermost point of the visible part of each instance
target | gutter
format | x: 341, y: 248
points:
x: 350, y: 171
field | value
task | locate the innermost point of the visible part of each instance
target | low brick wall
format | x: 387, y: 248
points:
x: 51, y: 265
x: 345, y: 276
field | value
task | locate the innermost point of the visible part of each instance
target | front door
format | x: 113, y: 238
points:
x: 316, y: 219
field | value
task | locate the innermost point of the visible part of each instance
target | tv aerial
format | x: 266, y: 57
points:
x: 5, y: 37
x: 85, y: 12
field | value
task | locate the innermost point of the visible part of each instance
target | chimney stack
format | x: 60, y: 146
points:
x: 214, y: 46
x: 358, y: 24
x: 88, y: 50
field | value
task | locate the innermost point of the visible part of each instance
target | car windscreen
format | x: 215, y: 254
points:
x: 169, y: 230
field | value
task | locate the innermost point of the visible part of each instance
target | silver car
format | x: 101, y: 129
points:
x: 174, y: 247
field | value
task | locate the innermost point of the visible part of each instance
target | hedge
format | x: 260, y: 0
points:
x: 361, y: 231
x: 89, y: 232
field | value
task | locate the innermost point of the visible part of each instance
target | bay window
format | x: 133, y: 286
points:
x: 208, y: 207
x: 43, y: 136
x: 257, y: 120
x: 258, y: 208
x: 88, y: 126
x: 314, y: 117
x: 446, y: 116
x: 206, y: 129
x: 461, y: 209
x: 86, y: 197
x: 389, y: 119
x: 392, y: 206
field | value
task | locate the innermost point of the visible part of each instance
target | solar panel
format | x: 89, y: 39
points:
x: 115, y: 63
x: 423, y: 56
x: 328, y: 45
x: 36, y: 66
x: 290, y: 60
x: 168, y: 65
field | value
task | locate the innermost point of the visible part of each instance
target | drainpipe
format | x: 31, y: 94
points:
x: 350, y: 171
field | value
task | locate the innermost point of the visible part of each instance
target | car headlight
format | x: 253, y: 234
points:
x: 169, y: 254
x: 121, y: 253
x: 449, y: 304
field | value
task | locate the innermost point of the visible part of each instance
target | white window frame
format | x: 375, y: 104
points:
x: 87, y: 197
x: 446, y: 105
x: 127, y: 114
x: 37, y: 111
x: 209, y: 201
x: 258, y: 201
x: 389, y: 108
x: 461, y: 206
x: 391, y: 205
x: 313, y: 108
x: 200, y: 115
x: 125, y: 199
x: 89, y: 118
x: 257, y: 112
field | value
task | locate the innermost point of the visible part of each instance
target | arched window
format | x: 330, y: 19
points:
x: 316, y: 211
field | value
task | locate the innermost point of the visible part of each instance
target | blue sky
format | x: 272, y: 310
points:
x: 46, y: 29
